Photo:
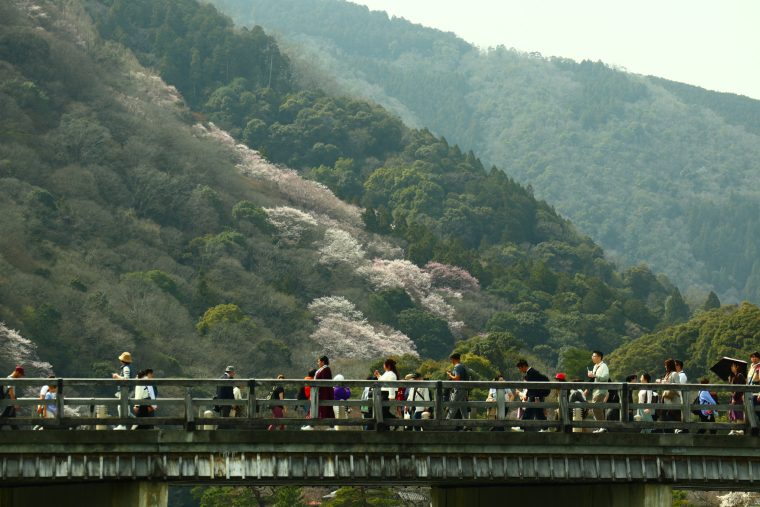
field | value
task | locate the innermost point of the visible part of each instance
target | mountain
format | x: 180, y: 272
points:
x: 655, y: 171
x: 136, y: 214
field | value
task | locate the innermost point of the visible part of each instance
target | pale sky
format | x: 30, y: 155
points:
x: 712, y: 44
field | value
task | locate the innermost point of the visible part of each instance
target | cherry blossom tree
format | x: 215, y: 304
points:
x: 18, y: 350
x: 290, y: 223
x: 339, y: 247
x: 342, y: 331
x: 451, y: 277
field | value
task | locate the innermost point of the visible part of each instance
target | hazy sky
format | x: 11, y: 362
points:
x: 714, y: 44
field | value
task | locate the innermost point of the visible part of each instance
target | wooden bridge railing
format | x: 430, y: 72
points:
x: 189, y: 403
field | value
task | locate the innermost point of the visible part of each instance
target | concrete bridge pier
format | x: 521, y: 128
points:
x: 114, y: 494
x: 583, y: 495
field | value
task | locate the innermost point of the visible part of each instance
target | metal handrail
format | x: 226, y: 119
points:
x: 189, y: 400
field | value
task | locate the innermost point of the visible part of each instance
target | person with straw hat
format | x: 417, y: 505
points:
x: 125, y: 373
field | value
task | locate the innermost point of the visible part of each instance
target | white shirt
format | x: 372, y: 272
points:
x: 682, y: 378
x: 389, y: 375
x: 601, y: 374
x: 645, y: 396
x: 418, y: 393
x: 507, y: 393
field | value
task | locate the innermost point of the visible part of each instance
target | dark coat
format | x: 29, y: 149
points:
x: 325, y: 393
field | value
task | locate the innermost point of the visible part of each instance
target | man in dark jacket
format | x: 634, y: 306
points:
x: 226, y: 392
x: 532, y: 395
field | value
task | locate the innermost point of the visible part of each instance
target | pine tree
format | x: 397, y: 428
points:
x: 712, y: 302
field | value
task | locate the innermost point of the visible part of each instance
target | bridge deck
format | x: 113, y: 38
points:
x: 354, y: 457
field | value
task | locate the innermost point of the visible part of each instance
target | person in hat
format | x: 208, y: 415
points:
x: 226, y: 392
x: 125, y: 369
x: 126, y: 372
x: 10, y: 393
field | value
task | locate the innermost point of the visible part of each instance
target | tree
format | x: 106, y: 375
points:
x: 362, y: 496
x: 676, y: 309
x: 712, y: 302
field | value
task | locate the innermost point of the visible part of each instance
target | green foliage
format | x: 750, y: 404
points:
x: 288, y: 496
x: 728, y: 331
x: 224, y: 496
x: 638, y: 162
x: 220, y: 315
x: 431, y: 334
x: 676, y: 309
x: 352, y: 496
x: 711, y: 303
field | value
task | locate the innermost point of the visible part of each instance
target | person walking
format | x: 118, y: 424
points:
x: 143, y: 392
x: 341, y: 393
x: 670, y: 396
x: 599, y: 373
x: 8, y: 392
x: 390, y: 373
x: 225, y: 392
x: 737, y: 397
x: 530, y: 374
x: 645, y: 395
x: 458, y: 373
x: 278, y: 411
x: 126, y: 372
x: 324, y: 393
x: 706, y: 414
x: 417, y: 394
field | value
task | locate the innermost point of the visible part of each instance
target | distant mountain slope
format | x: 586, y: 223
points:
x: 132, y: 222
x: 655, y: 171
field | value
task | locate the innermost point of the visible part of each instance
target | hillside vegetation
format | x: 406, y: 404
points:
x: 654, y: 171
x: 131, y: 221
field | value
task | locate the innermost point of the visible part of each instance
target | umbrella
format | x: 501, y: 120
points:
x: 723, y: 367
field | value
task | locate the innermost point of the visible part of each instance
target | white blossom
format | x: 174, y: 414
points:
x: 310, y: 194
x: 342, y: 331
x: 342, y: 337
x: 388, y: 274
x: 340, y: 248
x: 739, y: 499
x: 18, y: 350
x: 336, y: 306
x: 290, y: 223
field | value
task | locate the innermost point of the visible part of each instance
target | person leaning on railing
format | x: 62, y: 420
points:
x: 9, y: 393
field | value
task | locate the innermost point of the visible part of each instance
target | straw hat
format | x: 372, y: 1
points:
x: 125, y: 357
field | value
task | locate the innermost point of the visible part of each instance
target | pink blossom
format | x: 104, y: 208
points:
x: 452, y: 277
x: 18, y: 350
x: 290, y: 223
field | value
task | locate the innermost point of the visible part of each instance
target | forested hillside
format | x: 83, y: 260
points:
x: 732, y: 331
x: 130, y: 221
x: 655, y: 171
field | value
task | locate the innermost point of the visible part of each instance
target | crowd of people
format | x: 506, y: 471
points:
x: 664, y: 393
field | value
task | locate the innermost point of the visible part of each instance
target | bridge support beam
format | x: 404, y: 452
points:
x: 121, y: 494
x: 588, y: 495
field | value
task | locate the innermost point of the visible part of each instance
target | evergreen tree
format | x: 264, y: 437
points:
x: 676, y: 309
x: 712, y: 302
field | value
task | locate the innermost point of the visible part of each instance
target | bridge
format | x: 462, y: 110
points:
x: 622, y: 466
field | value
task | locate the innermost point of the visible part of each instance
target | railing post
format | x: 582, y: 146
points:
x: 500, y: 406
x: 564, y: 412
x: 624, y: 402
x: 685, y: 402
x: 189, y: 414
x: 377, y: 407
x: 58, y: 402
x: 124, y: 401
x: 750, y: 416
x: 252, y: 399
x: 439, y: 416
x: 314, y: 399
